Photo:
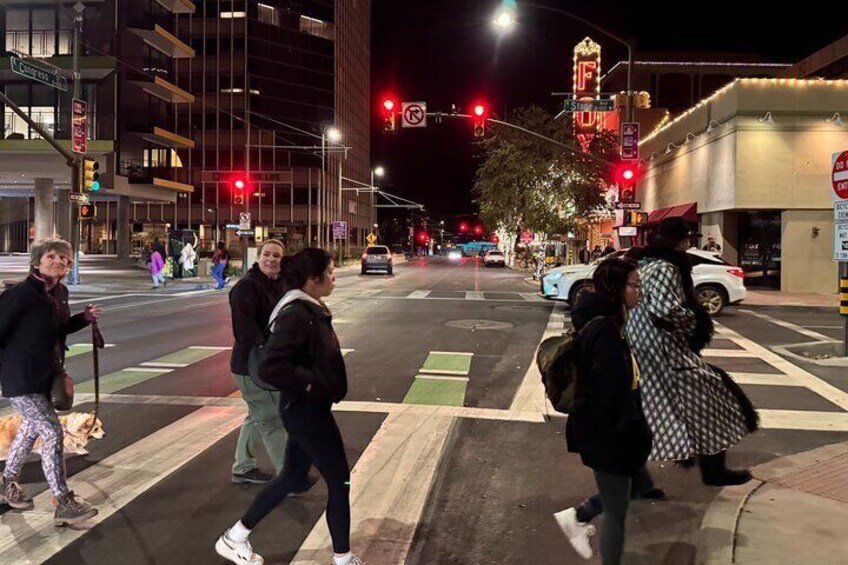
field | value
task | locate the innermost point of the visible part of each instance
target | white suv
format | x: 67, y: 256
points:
x: 717, y: 283
x: 494, y: 257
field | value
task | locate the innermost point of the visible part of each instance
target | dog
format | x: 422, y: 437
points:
x: 75, y: 437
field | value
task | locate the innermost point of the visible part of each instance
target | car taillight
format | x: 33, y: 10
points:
x: 737, y: 273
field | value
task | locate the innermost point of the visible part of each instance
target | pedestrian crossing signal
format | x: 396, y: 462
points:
x: 87, y: 211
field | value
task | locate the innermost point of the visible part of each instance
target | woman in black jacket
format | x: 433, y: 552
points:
x: 35, y: 321
x: 304, y: 361
x: 608, y: 428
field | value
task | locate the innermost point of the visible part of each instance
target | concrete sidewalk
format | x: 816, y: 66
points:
x: 777, y: 298
x: 794, y: 511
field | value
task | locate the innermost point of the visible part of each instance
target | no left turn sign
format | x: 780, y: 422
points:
x: 414, y: 115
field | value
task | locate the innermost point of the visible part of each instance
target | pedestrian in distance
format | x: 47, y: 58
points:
x: 35, y: 321
x: 712, y: 246
x: 220, y: 260
x: 304, y: 361
x: 187, y: 258
x: 252, y: 300
x: 608, y: 249
x: 584, y: 255
x: 607, y: 428
x: 694, y: 409
x: 157, y: 268
x: 597, y: 252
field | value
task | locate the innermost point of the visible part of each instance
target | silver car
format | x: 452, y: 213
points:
x: 377, y: 258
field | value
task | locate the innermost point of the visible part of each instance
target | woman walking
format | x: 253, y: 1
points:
x: 608, y: 428
x: 220, y: 259
x: 304, y: 361
x: 34, y: 323
x: 692, y: 408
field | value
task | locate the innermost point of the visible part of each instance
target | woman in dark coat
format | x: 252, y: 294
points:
x: 607, y: 428
x: 693, y: 409
x: 35, y: 321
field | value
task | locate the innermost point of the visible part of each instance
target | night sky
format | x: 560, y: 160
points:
x: 446, y: 51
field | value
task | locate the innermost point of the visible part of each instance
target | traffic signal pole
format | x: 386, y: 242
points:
x: 76, y: 167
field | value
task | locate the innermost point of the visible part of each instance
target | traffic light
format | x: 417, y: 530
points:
x: 389, y: 115
x: 479, y: 114
x: 478, y: 230
x: 626, y: 175
x: 239, y: 185
x: 463, y: 227
x: 87, y: 211
x: 423, y: 237
x: 91, y: 177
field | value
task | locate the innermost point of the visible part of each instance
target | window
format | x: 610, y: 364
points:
x: 269, y: 15
x: 316, y: 27
x: 38, y: 103
x: 233, y: 15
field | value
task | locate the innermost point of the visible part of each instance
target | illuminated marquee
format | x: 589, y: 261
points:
x: 587, y: 84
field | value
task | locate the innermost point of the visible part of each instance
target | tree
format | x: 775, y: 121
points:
x: 528, y: 183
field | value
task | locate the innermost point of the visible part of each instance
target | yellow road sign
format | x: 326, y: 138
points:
x: 371, y: 239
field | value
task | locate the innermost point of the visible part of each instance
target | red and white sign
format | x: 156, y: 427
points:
x: 840, y: 176
x: 79, y: 126
x: 587, y: 85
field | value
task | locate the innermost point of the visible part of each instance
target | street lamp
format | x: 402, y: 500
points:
x: 333, y: 135
x: 377, y: 172
x: 506, y: 18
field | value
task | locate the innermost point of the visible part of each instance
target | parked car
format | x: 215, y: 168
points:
x: 377, y: 258
x: 494, y: 257
x: 717, y: 282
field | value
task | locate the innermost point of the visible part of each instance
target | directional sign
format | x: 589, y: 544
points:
x: 628, y: 205
x: 414, y: 114
x: 605, y: 105
x: 371, y: 238
x: 339, y: 230
x: 44, y: 76
x: 245, y: 233
x: 80, y: 197
x: 79, y: 126
x: 244, y: 221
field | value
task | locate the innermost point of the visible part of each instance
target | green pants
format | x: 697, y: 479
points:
x: 263, y: 421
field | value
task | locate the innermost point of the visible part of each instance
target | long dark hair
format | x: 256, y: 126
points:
x: 303, y: 265
x: 610, y: 281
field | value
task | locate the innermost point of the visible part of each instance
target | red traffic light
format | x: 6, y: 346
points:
x: 388, y: 105
x: 423, y: 237
x: 626, y: 173
x: 479, y: 110
x: 479, y: 113
x: 239, y: 184
x: 463, y: 227
x: 478, y: 230
x: 389, y: 115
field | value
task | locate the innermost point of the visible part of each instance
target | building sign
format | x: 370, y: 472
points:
x: 587, y: 86
x: 630, y: 140
x: 339, y: 230
x: 79, y: 126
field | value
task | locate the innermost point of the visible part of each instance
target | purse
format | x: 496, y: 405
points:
x: 62, y: 391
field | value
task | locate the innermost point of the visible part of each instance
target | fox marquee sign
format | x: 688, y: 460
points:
x: 587, y: 84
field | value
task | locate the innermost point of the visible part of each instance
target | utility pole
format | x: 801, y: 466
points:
x: 76, y: 168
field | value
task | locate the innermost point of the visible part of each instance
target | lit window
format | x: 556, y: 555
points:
x: 232, y: 91
x: 233, y: 15
x: 269, y: 15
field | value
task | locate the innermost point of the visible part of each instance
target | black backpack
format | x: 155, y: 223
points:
x: 259, y: 352
x: 557, y: 361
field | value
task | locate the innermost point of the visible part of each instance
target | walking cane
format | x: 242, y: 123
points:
x: 97, y: 343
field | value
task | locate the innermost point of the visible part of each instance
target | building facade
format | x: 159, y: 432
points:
x: 752, y: 164
x: 194, y: 95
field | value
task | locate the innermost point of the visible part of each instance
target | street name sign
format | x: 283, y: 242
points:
x: 245, y: 233
x: 603, y: 105
x: 36, y: 73
x: 628, y: 205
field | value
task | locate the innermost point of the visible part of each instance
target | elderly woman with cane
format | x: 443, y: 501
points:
x: 35, y: 321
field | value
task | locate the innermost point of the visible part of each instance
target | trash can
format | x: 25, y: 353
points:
x: 204, y: 267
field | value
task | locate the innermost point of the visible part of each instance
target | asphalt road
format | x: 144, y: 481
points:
x: 448, y: 468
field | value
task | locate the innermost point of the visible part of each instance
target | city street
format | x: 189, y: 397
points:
x: 453, y: 457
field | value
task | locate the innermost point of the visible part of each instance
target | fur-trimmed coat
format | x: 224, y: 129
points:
x: 690, y: 407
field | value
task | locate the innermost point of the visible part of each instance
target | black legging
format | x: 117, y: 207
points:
x: 313, y: 437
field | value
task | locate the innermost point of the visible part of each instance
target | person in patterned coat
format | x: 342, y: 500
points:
x: 693, y: 409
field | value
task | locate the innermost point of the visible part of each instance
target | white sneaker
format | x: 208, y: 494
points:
x: 354, y: 560
x: 240, y: 553
x: 578, y: 534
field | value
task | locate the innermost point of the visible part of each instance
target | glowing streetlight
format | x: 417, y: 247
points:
x: 379, y: 172
x: 334, y: 135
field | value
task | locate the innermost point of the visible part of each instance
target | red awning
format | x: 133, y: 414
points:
x: 688, y: 212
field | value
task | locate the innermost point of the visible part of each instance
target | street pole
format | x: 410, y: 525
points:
x: 76, y: 169
x: 340, y: 215
x: 843, y: 303
x: 323, y: 184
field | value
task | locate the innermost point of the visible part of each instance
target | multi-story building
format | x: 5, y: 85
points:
x: 184, y: 98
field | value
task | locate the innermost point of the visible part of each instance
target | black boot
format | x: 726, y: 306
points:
x: 714, y: 471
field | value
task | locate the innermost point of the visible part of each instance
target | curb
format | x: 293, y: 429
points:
x: 720, y: 525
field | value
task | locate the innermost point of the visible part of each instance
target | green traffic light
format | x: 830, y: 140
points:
x: 95, y: 186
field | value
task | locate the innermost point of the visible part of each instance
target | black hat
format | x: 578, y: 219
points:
x: 675, y: 229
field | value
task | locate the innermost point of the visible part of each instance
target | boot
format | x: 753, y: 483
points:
x: 71, y: 510
x: 714, y: 471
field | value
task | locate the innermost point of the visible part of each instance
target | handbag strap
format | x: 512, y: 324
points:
x: 97, y: 344
x: 267, y: 332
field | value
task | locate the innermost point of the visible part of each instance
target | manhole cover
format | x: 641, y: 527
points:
x: 479, y: 325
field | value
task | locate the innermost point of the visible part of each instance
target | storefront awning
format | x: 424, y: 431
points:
x: 688, y: 212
